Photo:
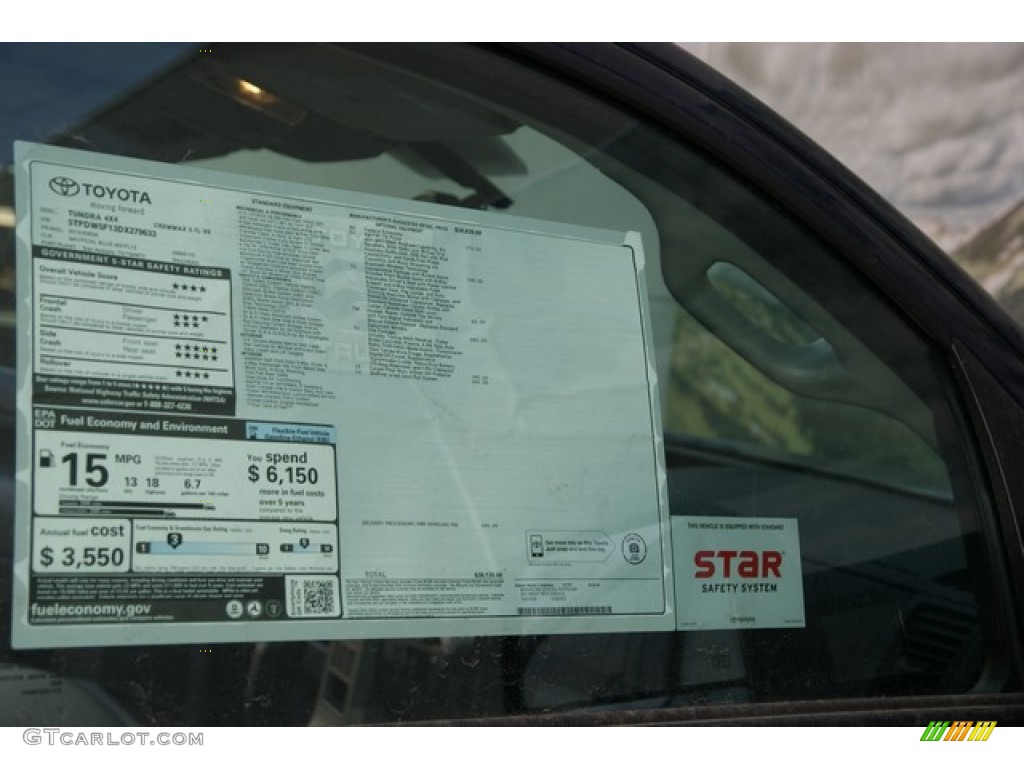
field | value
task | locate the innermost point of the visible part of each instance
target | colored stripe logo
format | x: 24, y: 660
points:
x: 959, y: 730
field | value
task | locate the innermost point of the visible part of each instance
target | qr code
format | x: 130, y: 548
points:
x: 309, y: 596
x: 318, y: 597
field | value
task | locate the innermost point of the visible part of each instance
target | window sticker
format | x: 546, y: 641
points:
x: 254, y: 410
x: 737, y: 573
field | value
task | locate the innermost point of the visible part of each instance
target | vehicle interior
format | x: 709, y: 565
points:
x: 789, y: 387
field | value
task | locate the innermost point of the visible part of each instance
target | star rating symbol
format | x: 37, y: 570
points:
x: 185, y: 320
x: 192, y: 374
x: 196, y: 352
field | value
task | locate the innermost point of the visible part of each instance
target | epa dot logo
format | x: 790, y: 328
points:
x: 44, y: 418
x: 64, y: 186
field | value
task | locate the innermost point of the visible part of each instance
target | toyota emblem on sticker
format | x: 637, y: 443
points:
x: 64, y: 186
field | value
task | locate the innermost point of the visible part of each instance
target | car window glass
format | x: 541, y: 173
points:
x: 789, y: 388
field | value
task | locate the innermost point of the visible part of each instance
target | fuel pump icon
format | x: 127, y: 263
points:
x: 45, y: 458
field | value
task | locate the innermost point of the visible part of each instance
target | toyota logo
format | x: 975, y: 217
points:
x: 64, y: 186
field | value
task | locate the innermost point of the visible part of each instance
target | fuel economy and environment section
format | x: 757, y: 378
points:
x: 262, y: 410
x: 194, y: 519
